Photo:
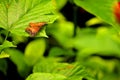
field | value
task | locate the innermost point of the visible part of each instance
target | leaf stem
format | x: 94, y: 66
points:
x: 75, y: 19
x: 6, y: 36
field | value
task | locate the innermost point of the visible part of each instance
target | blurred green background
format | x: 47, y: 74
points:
x: 77, y: 36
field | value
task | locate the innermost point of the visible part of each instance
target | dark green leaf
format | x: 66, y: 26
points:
x: 3, y: 66
x: 18, y: 59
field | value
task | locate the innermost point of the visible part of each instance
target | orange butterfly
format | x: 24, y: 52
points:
x: 117, y: 12
x: 34, y: 28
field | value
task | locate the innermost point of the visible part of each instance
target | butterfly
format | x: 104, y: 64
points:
x: 34, y: 28
x: 117, y: 12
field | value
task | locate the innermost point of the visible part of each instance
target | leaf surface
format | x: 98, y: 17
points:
x: 15, y: 15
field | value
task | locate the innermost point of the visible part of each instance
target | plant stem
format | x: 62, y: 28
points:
x: 75, y: 19
x: 6, y: 36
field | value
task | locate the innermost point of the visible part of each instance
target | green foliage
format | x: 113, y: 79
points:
x: 64, y: 69
x: 17, y: 14
x: 3, y: 66
x: 22, y: 67
x: 100, y: 8
x: 56, y: 51
x: 24, y: 61
x: 102, y: 41
x: 6, y: 44
x: 34, y: 51
x: 18, y: 39
x: 60, y: 3
x: 96, y: 41
x: 65, y: 29
x: 4, y: 55
x: 45, y: 76
x: 92, y: 54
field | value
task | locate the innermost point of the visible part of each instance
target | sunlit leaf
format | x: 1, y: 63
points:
x: 17, y: 14
x: 4, y: 55
x: 18, y: 39
x: 57, y: 51
x: 102, y: 68
x: 45, y: 76
x: 100, y: 8
x: 68, y: 70
x: 62, y: 31
x: 60, y: 3
x: 6, y: 44
x: 101, y: 42
x: 34, y: 51
x: 93, y: 21
x: 59, y: 68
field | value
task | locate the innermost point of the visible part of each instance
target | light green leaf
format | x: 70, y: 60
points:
x: 4, y: 55
x: 100, y: 8
x: 68, y: 70
x: 34, y: 51
x: 60, y: 3
x: 59, y: 68
x: 6, y: 44
x: 45, y: 76
x: 102, y: 43
x: 18, y: 39
x: 17, y: 14
x: 57, y: 51
x: 94, y: 21
x: 62, y: 31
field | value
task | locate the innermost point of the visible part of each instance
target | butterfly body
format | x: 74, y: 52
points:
x: 34, y: 28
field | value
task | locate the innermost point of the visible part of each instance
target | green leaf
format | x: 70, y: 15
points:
x: 17, y: 58
x: 68, y: 70
x: 17, y: 14
x: 6, y: 44
x: 100, y: 8
x: 60, y: 3
x: 102, y: 43
x: 62, y: 31
x: 94, y: 21
x: 1, y: 39
x: 4, y: 55
x: 34, y: 51
x: 57, y: 51
x: 45, y: 76
x: 101, y: 67
x: 18, y: 39
x: 59, y: 68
